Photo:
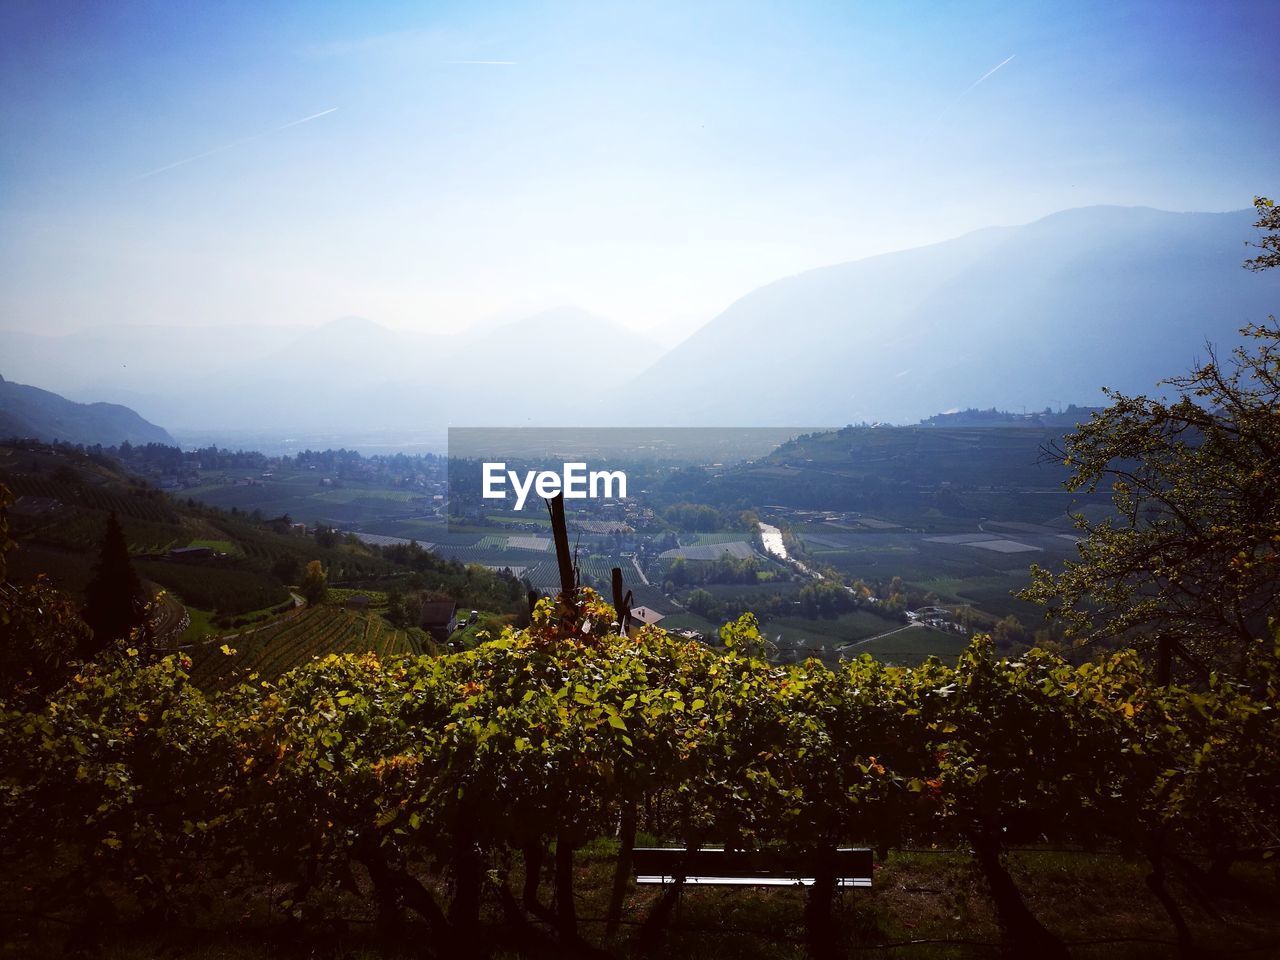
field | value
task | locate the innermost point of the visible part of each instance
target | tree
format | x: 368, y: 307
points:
x: 1009, y: 633
x: 1190, y: 565
x: 315, y: 585
x: 1268, y: 223
x: 115, y: 601
x: 286, y: 569
x: 703, y: 604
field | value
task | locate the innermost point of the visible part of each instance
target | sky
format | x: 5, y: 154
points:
x: 437, y: 166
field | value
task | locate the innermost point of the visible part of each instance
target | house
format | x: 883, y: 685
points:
x: 439, y: 618
x: 643, y: 617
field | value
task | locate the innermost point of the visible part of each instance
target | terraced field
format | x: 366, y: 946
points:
x: 292, y: 641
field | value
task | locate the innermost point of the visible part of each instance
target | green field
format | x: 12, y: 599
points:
x: 302, y: 497
x: 293, y: 640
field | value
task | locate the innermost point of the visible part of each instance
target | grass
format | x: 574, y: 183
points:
x: 490, y: 623
x: 924, y: 904
x: 843, y: 629
x: 914, y: 646
x: 201, y: 626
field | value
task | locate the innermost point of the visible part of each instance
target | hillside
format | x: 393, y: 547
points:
x: 1015, y: 318
x: 63, y: 500
x: 31, y: 412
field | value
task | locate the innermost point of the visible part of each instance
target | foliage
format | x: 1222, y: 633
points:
x: 1192, y: 559
x: 694, y: 516
x: 228, y: 587
x: 115, y: 601
x: 315, y: 585
x: 1268, y: 224
x: 552, y: 733
x: 41, y: 635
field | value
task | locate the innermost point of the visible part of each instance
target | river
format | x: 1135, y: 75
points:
x: 772, y: 538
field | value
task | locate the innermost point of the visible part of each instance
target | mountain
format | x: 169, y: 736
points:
x: 549, y: 369
x: 122, y: 362
x: 1012, y: 318
x: 31, y: 412
x: 1016, y: 317
x: 341, y: 382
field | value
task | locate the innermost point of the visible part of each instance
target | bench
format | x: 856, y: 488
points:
x: 750, y: 868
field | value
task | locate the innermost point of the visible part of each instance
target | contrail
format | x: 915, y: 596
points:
x: 228, y: 146
x: 490, y: 63
x: 987, y: 74
x: 943, y: 112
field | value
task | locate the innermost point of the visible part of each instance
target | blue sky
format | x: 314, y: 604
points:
x: 650, y: 162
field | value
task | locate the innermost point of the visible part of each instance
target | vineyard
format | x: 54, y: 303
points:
x: 215, y: 585
x: 140, y: 505
x: 292, y: 641
x: 442, y: 781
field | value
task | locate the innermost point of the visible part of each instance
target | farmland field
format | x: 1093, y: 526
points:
x: 293, y: 640
x: 738, y: 548
x: 302, y: 496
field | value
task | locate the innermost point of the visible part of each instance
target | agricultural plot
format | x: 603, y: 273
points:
x: 302, y: 497
x: 490, y: 556
x: 525, y: 518
x: 529, y: 543
x: 911, y: 646
x: 974, y: 567
x: 703, y: 539
x: 543, y: 576
x: 429, y: 531
x: 83, y: 529
x: 67, y: 570
x: 213, y: 586
x: 871, y: 523
x: 821, y: 636
x: 219, y: 546
x: 783, y: 588
x: 377, y: 540
x: 1005, y: 546
x: 737, y: 549
x: 293, y: 641
x: 827, y: 541
x: 139, y: 505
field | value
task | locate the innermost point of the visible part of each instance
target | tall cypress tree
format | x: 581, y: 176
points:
x: 115, y: 598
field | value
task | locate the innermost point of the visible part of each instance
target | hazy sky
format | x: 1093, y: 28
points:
x: 649, y: 162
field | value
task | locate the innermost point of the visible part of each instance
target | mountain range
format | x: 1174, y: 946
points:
x: 1033, y: 316
x: 1045, y: 314
x: 348, y: 377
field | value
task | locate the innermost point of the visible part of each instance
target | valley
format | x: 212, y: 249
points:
x: 833, y: 539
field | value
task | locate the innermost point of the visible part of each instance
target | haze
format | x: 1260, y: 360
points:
x: 437, y: 167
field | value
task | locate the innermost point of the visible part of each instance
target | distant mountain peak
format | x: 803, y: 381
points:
x: 1043, y: 314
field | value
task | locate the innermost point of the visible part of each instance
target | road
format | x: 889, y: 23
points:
x: 879, y: 636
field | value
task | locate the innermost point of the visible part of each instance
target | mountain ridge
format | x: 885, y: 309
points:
x: 27, y: 411
x: 1044, y: 313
